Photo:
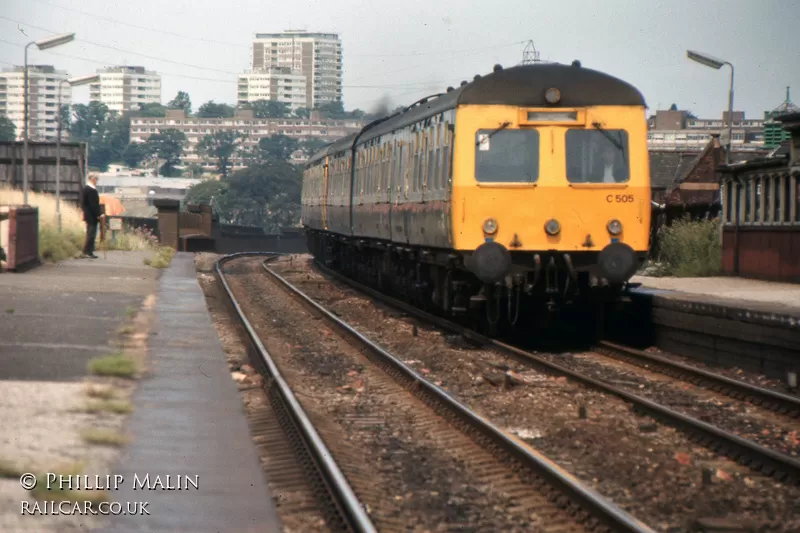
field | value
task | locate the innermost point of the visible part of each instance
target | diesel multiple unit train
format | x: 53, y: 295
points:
x: 524, y: 189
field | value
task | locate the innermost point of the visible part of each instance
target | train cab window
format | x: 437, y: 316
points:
x: 595, y: 156
x: 507, y: 156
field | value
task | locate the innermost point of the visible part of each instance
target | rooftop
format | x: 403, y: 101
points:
x: 128, y: 180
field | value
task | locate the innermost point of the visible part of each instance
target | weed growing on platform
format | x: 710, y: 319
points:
x: 104, y: 437
x: 116, y: 365
x: 9, y: 469
x: 100, y: 391
x: 691, y: 248
x: 162, y: 259
x: 109, y: 406
x: 55, y: 246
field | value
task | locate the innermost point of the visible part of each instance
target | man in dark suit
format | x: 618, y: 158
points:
x: 90, y: 203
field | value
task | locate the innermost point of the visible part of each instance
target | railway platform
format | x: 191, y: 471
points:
x: 780, y: 300
x: 189, y: 421
x: 743, y: 323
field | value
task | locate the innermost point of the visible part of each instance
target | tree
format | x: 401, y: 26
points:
x: 195, y: 170
x: 221, y: 145
x: 213, y: 110
x: 312, y: 145
x: 167, y: 145
x: 269, y: 109
x: 66, y: 117
x: 276, y: 147
x: 673, y: 107
x: 332, y: 110
x: 7, y: 129
x: 181, y: 101
x: 134, y: 153
x: 266, y: 195
x: 87, y: 120
x: 107, y: 133
x: 205, y: 191
x: 151, y: 110
x: 302, y: 112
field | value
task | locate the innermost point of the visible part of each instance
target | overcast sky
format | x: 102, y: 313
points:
x: 409, y: 49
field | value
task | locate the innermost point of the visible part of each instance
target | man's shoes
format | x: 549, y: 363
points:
x: 89, y: 256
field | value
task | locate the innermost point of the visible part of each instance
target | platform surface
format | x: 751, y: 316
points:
x: 55, y: 318
x: 762, y: 297
x: 189, y: 421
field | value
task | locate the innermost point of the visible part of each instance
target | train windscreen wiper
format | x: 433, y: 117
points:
x: 503, y: 126
x: 608, y: 136
x: 617, y: 143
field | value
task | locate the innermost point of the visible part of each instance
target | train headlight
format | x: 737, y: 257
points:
x: 552, y: 95
x: 490, y: 226
x: 615, y: 227
x: 552, y: 227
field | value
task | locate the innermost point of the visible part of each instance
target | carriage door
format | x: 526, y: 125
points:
x: 325, y: 194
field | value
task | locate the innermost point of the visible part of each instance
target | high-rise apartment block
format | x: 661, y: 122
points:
x: 317, y: 56
x: 43, y: 81
x: 280, y: 84
x: 125, y: 88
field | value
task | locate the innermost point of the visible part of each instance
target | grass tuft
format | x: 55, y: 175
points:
x: 162, y: 259
x: 100, y: 392
x: 104, y: 437
x: 690, y: 249
x: 118, y: 407
x: 9, y: 469
x: 117, y: 365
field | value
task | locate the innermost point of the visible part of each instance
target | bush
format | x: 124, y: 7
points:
x: 691, y: 248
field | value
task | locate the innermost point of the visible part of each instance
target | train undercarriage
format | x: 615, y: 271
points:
x: 538, y: 291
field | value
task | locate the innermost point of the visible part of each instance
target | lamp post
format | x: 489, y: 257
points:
x: 42, y: 44
x: 712, y: 62
x: 73, y: 82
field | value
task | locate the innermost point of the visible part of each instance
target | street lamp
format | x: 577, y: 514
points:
x: 42, y: 44
x: 712, y: 62
x: 73, y: 82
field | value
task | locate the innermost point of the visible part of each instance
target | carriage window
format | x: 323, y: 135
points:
x: 507, y: 156
x: 595, y: 156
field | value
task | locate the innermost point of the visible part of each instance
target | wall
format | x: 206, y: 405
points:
x: 42, y: 167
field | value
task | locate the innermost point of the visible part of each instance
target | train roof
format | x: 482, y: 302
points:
x: 522, y: 85
x: 338, y: 145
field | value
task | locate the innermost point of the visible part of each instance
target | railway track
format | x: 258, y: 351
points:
x: 746, y: 452
x: 345, y: 512
x: 766, y: 398
x: 506, y: 464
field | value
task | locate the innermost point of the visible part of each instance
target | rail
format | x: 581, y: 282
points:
x: 773, y: 400
x: 352, y: 512
x: 769, y: 462
x: 598, y: 507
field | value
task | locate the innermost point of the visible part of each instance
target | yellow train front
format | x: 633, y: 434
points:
x: 527, y: 188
